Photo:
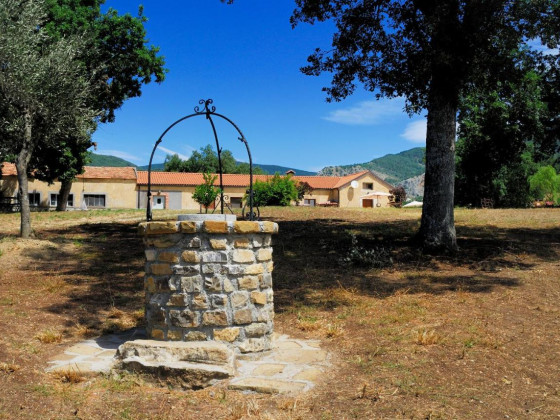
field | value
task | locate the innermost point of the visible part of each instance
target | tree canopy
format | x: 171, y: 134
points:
x: 206, y: 160
x: 432, y: 54
x: 44, y: 89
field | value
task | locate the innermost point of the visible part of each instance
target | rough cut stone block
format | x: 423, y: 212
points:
x: 239, y: 299
x: 150, y: 254
x: 188, y: 227
x: 226, y: 334
x: 213, y: 284
x: 199, y: 301
x: 228, y: 286
x: 241, y: 243
x: 157, y: 334
x: 269, y: 227
x: 177, y: 300
x: 246, y: 227
x: 191, y: 257
x: 256, y: 330
x: 266, y: 280
x: 267, y: 240
x: 264, y: 254
x: 235, y: 269
x: 218, y: 301
x: 156, y: 315
x: 214, y: 257
x: 248, y: 282
x: 254, y: 345
x: 150, y: 285
x: 215, y: 227
x: 174, y: 335
x: 188, y: 269
x: 183, y: 319
x: 195, y: 336
x: 165, y: 242
x: 243, y: 316
x: 159, y: 228
x: 243, y: 256
x: 258, y: 298
x: 194, y: 243
x: 270, y: 266
x: 161, y: 269
x: 191, y: 284
x: 169, y: 257
x: 205, y: 352
x: 215, y: 318
x: 218, y: 243
x: 253, y: 269
x: 214, y: 269
x: 258, y: 241
x: 265, y: 315
x: 192, y: 367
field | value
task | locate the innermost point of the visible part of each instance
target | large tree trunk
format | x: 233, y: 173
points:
x: 65, y: 187
x: 22, y: 162
x: 437, y: 228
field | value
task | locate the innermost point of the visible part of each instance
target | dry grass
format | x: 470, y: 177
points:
x: 426, y: 338
x: 9, y: 367
x: 49, y: 336
x: 70, y: 376
x: 464, y: 336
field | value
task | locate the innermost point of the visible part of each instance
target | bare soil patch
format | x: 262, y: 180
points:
x: 473, y: 335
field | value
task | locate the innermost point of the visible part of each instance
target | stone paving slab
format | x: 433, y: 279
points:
x: 292, y: 366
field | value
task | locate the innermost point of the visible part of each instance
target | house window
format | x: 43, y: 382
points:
x: 367, y: 186
x: 309, y: 202
x: 94, y: 200
x: 55, y: 197
x: 34, y: 199
x: 235, y: 202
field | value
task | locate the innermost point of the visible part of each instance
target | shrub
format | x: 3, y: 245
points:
x: 374, y: 257
x: 205, y: 194
x: 277, y: 191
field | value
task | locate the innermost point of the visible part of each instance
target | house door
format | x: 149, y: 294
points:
x: 159, y: 202
x: 367, y: 203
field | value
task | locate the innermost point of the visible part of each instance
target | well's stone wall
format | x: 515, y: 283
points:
x: 210, y: 280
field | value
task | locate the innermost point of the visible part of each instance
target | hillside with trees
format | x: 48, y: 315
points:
x: 393, y: 168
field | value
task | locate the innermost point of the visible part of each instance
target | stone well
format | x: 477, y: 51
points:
x: 210, y: 280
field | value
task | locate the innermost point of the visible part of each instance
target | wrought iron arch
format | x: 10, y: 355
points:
x: 208, y: 111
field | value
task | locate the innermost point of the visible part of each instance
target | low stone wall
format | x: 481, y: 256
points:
x: 210, y: 280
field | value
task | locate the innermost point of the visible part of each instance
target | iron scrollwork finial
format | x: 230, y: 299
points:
x: 208, y: 107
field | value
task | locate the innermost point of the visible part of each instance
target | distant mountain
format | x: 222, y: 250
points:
x: 268, y: 169
x: 272, y: 169
x: 414, y: 186
x: 107, y: 160
x: 393, y: 168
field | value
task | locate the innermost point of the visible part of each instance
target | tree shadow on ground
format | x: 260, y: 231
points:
x: 308, y: 254
x: 105, y: 264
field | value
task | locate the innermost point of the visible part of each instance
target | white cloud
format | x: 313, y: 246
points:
x: 118, y: 153
x: 172, y: 152
x: 415, y: 131
x: 367, y: 112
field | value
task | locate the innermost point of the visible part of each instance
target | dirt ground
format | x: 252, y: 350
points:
x: 474, y: 335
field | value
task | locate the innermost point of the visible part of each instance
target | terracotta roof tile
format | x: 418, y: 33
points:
x: 241, y: 180
x: 106, y: 172
x: 8, y: 169
x: 90, y: 172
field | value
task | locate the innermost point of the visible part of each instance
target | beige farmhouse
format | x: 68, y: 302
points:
x: 108, y: 187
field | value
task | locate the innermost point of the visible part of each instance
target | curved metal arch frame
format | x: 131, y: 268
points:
x: 208, y: 111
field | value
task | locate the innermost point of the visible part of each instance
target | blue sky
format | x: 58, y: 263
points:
x: 246, y: 57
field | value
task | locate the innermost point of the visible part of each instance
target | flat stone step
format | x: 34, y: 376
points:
x: 185, y: 375
x: 208, y: 352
